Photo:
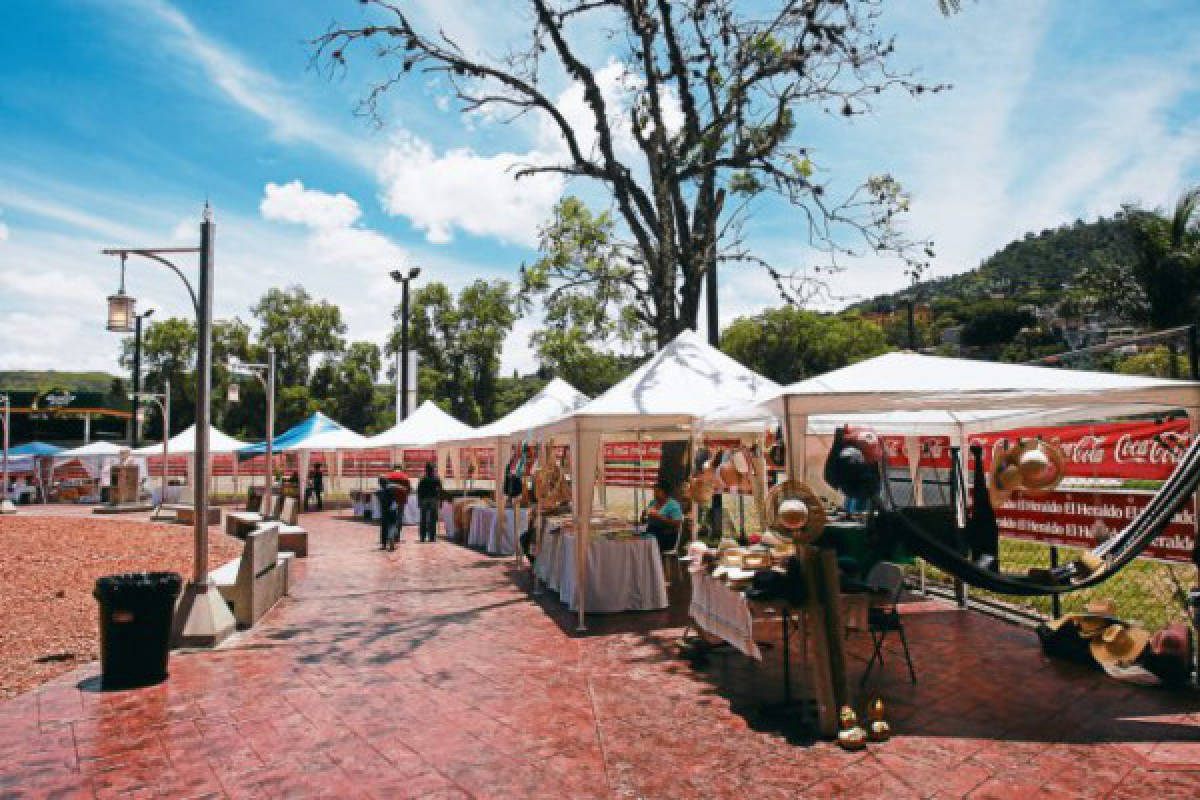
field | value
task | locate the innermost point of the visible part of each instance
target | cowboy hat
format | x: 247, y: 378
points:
x: 1119, y: 644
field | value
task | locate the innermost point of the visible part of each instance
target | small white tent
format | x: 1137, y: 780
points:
x: 912, y: 394
x: 555, y: 399
x: 681, y: 383
x: 425, y: 427
x: 96, y: 459
x: 184, y: 443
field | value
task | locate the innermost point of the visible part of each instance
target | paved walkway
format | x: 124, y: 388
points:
x: 431, y: 672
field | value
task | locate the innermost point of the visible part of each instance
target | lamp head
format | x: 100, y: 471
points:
x: 413, y: 273
x: 121, y: 312
x: 397, y: 276
x: 149, y: 312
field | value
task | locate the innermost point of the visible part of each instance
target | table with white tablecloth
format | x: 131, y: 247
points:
x: 623, y: 574
x: 727, y: 614
x: 366, y: 505
x: 723, y: 612
x: 173, y: 494
x: 549, y: 565
x: 485, y: 534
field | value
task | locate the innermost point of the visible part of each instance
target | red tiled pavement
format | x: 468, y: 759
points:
x: 431, y: 672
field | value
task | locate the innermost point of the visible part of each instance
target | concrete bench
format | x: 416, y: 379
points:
x: 254, y: 583
x: 186, y: 515
x: 185, y: 509
x: 292, y: 537
x: 240, y: 523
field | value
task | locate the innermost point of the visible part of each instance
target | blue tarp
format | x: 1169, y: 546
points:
x: 294, y: 438
x: 34, y: 449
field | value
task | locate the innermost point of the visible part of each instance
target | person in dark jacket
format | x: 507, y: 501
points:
x: 387, y: 515
x: 429, y: 491
x: 316, y: 487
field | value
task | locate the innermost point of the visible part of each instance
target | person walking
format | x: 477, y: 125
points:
x: 387, y: 515
x: 401, y: 488
x: 316, y: 487
x: 429, y: 491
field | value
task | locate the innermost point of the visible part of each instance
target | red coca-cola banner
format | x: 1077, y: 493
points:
x: 1144, y: 450
x: 630, y: 464
x: 1081, y: 518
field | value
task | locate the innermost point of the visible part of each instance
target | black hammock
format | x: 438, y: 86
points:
x: 1115, y: 552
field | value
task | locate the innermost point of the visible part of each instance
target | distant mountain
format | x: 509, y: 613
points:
x: 41, y: 380
x: 1036, y: 267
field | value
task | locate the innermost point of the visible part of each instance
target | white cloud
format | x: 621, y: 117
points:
x: 335, y: 239
x: 462, y: 189
x: 3, y: 232
x: 49, y: 285
x: 251, y: 89
x: 291, y: 202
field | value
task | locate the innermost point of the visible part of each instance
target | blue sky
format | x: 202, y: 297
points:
x: 119, y: 117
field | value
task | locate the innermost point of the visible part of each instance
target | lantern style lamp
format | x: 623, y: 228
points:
x: 121, y: 307
x: 233, y: 394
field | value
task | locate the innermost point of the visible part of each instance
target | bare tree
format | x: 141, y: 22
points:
x: 711, y: 99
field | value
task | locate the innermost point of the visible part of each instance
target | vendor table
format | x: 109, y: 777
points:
x: 503, y: 542
x: 485, y: 534
x: 173, y: 495
x: 366, y: 505
x: 728, y: 615
x: 622, y: 574
x: 723, y: 612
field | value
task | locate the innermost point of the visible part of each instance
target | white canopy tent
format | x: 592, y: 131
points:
x: 96, y: 459
x: 555, y: 399
x: 184, y: 443
x: 915, y: 395
x: 425, y: 427
x: 668, y: 394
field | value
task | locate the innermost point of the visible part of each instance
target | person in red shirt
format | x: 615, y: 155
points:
x: 401, y: 487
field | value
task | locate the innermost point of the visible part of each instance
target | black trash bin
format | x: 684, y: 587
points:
x: 136, y: 609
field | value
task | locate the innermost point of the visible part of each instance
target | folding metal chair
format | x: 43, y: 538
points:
x: 881, y: 620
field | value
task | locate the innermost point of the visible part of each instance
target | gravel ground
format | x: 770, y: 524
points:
x: 48, y: 567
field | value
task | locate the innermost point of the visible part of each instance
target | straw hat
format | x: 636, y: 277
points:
x: 784, y: 516
x: 1119, y: 645
x: 1042, y: 464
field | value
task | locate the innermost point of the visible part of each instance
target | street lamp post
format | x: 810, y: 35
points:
x: 202, y: 618
x: 402, y: 279
x: 137, y: 376
x: 266, y: 376
x: 6, y: 504
x: 163, y: 401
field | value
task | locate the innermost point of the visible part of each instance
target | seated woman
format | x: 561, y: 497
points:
x: 664, y: 517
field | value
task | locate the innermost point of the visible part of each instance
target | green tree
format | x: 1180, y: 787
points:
x: 1155, y: 362
x: 300, y: 329
x: 344, y: 385
x: 589, y: 300
x: 992, y: 323
x: 168, y: 354
x: 458, y: 343
x: 708, y: 109
x: 1159, y: 286
x: 789, y: 344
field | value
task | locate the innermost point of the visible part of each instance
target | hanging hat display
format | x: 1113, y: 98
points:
x: 777, y: 449
x: 1042, y: 464
x: 853, y: 465
x: 795, y: 510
